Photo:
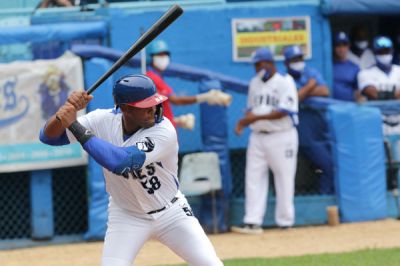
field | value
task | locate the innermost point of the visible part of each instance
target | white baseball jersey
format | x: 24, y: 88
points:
x: 277, y: 94
x: 154, y: 185
x: 380, y: 80
x: 366, y: 60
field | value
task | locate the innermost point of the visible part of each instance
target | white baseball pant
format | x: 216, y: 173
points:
x: 277, y: 151
x: 183, y: 234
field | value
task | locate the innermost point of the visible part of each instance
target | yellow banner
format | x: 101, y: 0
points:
x: 252, y: 39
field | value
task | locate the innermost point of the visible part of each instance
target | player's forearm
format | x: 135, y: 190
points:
x: 271, y: 116
x: 182, y: 100
x: 321, y: 91
x: 119, y: 160
x: 53, y: 128
x: 370, y: 92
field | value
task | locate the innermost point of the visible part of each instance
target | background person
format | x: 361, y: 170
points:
x: 273, y: 106
x: 345, y: 72
x: 359, y: 53
x: 159, y: 58
x: 314, y: 143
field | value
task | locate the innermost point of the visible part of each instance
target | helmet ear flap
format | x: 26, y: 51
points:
x: 159, y: 113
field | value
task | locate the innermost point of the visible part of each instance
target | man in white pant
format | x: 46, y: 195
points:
x: 272, y: 116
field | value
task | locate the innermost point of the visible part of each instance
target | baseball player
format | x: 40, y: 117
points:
x: 359, y: 52
x: 138, y: 150
x: 344, y: 71
x: 309, y: 82
x: 273, y: 106
x: 382, y: 81
x: 158, y: 56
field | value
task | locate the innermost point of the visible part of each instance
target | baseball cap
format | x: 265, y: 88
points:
x: 382, y: 42
x: 292, y: 52
x: 341, y: 38
x: 261, y: 54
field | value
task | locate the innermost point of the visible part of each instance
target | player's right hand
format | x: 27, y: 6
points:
x: 66, y: 115
x: 79, y: 99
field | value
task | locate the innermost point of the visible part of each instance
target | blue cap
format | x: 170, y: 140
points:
x: 341, y: 38
x: 157, y: 47
x: 382, y: 42
x: 292, y: 52
x: 261, y: 54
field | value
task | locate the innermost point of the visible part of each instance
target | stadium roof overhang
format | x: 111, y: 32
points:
x: 376, y: 7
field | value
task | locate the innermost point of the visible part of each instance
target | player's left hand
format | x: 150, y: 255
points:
x: 244, y: 122
x: 66, y: 114
x: 79, y: 99
x: 215, y: 97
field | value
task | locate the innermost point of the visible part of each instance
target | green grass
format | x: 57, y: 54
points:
x: 370, y: 257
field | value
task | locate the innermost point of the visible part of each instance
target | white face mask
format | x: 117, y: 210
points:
x: 385, y: 59
x: 297, y: 66
x: 362, y: 45
x: 161, y: 61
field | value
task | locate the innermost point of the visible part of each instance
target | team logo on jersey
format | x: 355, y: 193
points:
x: 146, y: 145
x: 289, y: 101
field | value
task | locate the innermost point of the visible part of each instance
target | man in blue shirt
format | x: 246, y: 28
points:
x: 345, y: 72
x: 313, y: 138
x: 309, y: 81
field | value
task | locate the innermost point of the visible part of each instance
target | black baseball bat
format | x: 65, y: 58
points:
x: 162, y: 23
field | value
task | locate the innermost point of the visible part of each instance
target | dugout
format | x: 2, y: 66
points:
x: 213, y: 19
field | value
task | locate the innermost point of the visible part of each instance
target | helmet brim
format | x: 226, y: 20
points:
x: 151, y: 101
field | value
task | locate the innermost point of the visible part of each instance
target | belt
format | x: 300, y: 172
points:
x: 163, y: 208
x: 265, y: 132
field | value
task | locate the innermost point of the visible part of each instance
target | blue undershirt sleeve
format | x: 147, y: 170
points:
x: 59, y: 141
x: 119, y: 160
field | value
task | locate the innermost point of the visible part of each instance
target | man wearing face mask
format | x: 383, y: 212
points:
x: 382, y: 81
x: 312, y: 128
x: 272, y: 115
x: 345, y: 72
x: 359, y: 52
x: 309, y: 81
x: 158, y: 57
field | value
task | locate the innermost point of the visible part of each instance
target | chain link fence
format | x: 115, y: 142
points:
x: 69, y: 203
x: 307, y: 175
x: 15, y: 206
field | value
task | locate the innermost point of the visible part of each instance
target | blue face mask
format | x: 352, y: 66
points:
x: 264, y: 74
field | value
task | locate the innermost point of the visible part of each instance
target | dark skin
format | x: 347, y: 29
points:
x: 67, y: 114
x: 249, y: 116
x: 134, y: 118
x: 311, y: 88
x: 174, y: 99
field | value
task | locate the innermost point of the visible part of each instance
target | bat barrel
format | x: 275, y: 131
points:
x: 162, y: 23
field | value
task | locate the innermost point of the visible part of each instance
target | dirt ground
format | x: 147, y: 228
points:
x: 273, y: 243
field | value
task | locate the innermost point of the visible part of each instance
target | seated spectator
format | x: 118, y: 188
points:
x: 359, y: 52
x: 344, y: 71
x: 314, y: 144
x: 309, y: 81
x: 382, y: 81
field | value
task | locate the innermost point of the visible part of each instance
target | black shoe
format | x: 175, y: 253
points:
x: 248, y: 229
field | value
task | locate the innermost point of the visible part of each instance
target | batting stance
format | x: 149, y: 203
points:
x: 272, y: 115
x: 138, y: 150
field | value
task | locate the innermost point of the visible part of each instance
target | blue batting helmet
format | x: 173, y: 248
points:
x: 157, y: 47
x: 261, y: 54
x: 382, y: 42
x: 292, y: 52
x: 136, y: 90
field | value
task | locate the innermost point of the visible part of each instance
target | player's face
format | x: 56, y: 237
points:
x: 138, y: 117
x: 341, y: 51
x: 268, y: 66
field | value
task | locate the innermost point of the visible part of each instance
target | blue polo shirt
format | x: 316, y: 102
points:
x: 344, y: 80
x: 307, y: 74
